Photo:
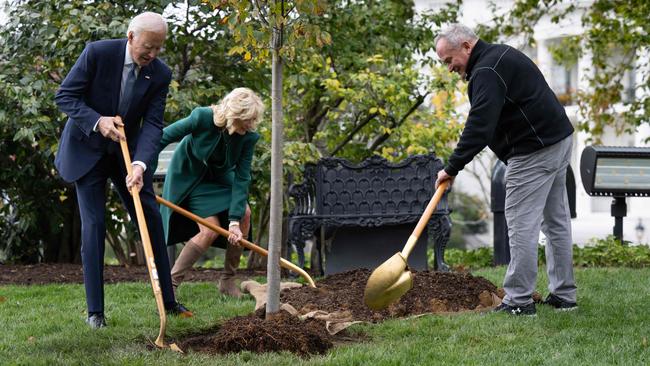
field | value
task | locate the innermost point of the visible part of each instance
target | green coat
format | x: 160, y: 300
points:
x: 199, y: 138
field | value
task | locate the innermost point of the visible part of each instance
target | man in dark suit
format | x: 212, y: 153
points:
x: 118, y: 77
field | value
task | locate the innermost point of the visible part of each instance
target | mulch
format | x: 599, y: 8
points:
x: 255, y: 333
x: 46, y: 273
x: 433, y: 292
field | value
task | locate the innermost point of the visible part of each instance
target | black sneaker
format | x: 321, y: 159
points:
x: 528, y: 310
x: 559, y: 304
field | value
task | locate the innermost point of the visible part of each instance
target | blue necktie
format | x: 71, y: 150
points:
x: 125, y: 100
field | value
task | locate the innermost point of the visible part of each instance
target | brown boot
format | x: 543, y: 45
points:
x: 227, y: 285
x: 189, y: 255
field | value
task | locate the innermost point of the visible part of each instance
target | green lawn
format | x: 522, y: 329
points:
x: 43, y: 325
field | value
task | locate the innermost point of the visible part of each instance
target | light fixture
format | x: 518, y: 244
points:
x: 617, y: 172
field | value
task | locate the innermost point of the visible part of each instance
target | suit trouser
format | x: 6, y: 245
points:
x: 91, y: 192
x: 536, y: 198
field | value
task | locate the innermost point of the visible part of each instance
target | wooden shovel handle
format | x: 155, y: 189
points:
x: 146, y: 244
x: 424, y: 219
x: 243, y: 242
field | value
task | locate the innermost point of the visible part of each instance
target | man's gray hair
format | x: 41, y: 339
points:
x: 147, y: 22
x: 456, y: 34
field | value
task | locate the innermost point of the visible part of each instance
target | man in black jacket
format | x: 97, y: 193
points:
x: 516, y: 114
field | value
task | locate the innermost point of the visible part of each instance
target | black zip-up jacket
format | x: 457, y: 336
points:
x: 513, y: 110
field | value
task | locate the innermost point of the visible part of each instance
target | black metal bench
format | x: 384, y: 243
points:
x: 361, y: 214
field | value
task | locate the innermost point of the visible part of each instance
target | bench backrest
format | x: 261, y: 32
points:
x: 375, y: 189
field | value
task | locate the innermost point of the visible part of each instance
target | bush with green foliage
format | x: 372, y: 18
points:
x: 608, y: 252
x: 475, y: 258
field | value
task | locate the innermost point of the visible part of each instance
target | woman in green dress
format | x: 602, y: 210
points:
x: 209, y: 175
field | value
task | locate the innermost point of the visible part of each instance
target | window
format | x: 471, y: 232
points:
x: 629, y: 85
x: 564, y: 69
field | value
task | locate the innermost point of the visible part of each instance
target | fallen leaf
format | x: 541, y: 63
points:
x: 31, y: 339
x: 2, y: 299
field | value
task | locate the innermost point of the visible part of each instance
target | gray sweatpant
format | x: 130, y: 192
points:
x: 536, y: 198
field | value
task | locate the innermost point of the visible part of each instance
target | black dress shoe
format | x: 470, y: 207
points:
x: 96, y: 321
x: 179, y: 310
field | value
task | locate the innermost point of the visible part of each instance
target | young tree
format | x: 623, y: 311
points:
x: 353, y: 83
x: 260, y: 27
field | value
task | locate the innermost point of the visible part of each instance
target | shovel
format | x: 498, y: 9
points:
x: 245, y: 243
x: 392, y: 279
x: 148, y: 252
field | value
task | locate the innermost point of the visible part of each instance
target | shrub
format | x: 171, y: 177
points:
x: 608, y: 252
x: 611, y: 252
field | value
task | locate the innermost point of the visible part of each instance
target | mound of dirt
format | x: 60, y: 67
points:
x: 433, y: 292
x: 283, y: 332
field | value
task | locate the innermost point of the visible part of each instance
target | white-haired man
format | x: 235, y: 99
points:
x: 111, y: 78
x: 516, y: 114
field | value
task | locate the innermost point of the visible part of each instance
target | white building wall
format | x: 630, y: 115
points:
x: 3, y: 15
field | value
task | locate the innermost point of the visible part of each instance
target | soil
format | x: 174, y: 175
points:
x: 45, y: 273
x: 433, y: 292
x: 254, y: 333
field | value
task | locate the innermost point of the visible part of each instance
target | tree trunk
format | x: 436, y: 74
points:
x: 70, y: 251
x: 116, y: 245
x: 65, y: 246
x: 136, y: 251
x: 275, y: 229
x: 256, y: 261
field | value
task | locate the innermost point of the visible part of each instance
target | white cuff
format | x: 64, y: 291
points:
x: 96, y: 124
x: 233, y: 223
x: 138, y: 162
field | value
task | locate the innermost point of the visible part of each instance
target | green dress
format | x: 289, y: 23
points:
x: 209, y: 173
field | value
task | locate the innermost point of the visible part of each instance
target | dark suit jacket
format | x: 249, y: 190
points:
x: 92, y: 89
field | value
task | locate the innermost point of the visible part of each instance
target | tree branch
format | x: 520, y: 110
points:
x: 315, y: 118
x: 485, y: 169
x: 262, y: 14
x: 354, y: 131
x: 383, y: 137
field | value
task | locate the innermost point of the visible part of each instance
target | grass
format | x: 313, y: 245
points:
x: 43, y: 325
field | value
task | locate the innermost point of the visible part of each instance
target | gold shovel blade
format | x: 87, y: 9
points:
x: 388, y: 283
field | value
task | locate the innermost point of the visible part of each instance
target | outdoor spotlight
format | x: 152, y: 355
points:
x: 617, y: 172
